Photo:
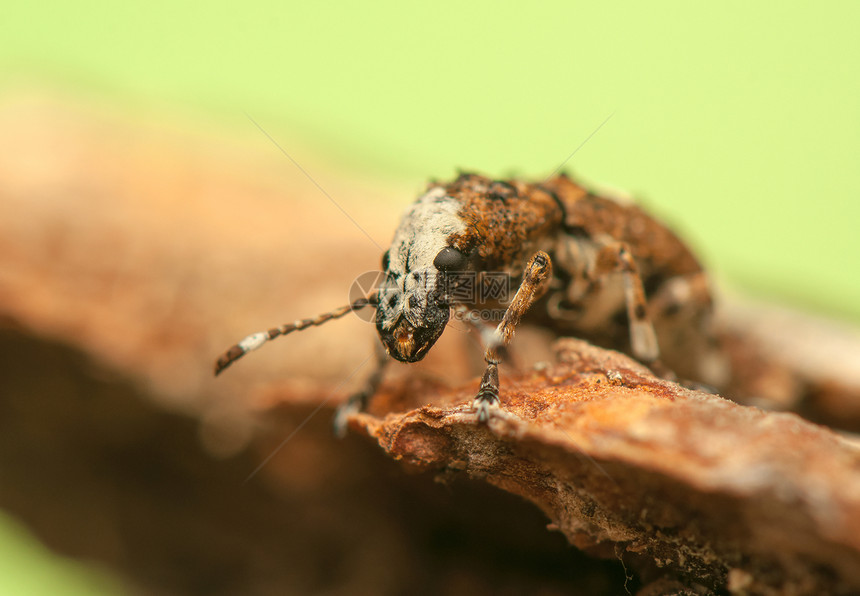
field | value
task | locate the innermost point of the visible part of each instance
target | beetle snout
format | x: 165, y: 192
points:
x: 401, y: 341
x: 408, y: 343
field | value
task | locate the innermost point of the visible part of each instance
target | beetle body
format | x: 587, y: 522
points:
x: 581, y: 265
x: 494, y: 227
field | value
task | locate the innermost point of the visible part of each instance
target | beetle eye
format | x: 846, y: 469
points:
x: 450, y: 259
x: 385, y: 261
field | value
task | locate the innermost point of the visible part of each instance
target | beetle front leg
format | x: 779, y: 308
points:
x: 537, y: 272
x: 358, y: 401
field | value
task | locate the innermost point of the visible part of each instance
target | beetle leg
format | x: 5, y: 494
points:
x: 685, y: 302
x: 358, y: 401
x: 616, y: 257
x: 683, y: 295
x: 537, y: 272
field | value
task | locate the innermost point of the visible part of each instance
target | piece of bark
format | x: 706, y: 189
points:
x: 140, y: 253
x: 723, y: 494
x: 130, y: 256
x: 101, y: 472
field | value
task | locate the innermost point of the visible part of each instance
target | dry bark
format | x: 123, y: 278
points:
x: 131, y: 255
x: 719, y: 493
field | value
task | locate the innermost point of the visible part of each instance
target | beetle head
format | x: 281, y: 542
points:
x: 411, y: 314
x: 414, y: 303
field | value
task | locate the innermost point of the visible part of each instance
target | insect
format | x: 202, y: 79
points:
x: 580, y: 264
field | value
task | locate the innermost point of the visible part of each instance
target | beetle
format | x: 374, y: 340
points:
x: 581, y: 264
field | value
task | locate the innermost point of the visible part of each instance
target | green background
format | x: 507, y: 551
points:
x: 738, y: 122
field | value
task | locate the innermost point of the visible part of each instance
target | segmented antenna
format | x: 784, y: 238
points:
x: 255, y: 340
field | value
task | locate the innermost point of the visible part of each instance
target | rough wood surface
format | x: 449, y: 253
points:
x: 131, y: 255
x: 723, y: 494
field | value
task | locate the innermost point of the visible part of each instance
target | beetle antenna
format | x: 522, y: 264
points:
x: 255, y: 340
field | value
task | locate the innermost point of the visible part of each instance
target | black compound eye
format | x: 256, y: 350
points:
x: 450, y: 259
x: 385, y: 261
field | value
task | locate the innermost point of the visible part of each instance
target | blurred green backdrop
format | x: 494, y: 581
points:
x: 739, y: 122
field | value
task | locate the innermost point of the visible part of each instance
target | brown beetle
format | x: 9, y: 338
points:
x: 577, y: 263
